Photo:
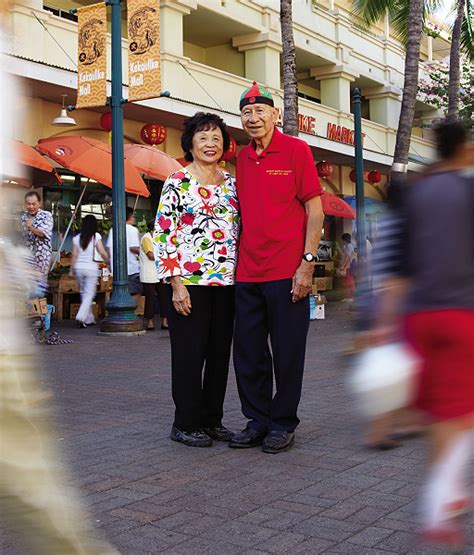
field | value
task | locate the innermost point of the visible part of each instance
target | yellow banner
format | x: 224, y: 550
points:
x: 144, y: 72
x: 92, y: 56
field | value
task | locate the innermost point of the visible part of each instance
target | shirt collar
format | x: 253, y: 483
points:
x: 275, y: 145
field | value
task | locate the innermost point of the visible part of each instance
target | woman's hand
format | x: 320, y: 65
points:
x: 181, y: 297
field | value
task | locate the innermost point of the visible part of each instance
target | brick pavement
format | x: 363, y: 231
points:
x: 148, y: 495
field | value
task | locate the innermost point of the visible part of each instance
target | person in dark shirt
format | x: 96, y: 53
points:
x: 434, y: 282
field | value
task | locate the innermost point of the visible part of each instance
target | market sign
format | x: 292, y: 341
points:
x: 144, y: 72
x: 306, y: 124
x: 92, y: 57
x: 341, y: 134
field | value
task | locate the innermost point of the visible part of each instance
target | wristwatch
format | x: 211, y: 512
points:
x: 309, y: 257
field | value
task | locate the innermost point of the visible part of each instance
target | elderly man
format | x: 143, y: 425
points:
x: 37, y: 227
x: 279, y: 196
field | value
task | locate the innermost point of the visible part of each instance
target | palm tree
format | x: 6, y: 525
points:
x: 290, y: 83
x: 461, y: 39
x: 407, y: 18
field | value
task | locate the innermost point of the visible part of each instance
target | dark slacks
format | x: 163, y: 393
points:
x: 265, y: 310
x: 201, y: 341
x: 151, y: 291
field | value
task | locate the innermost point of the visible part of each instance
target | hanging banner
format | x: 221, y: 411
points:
x: 92, y: 56
x: 144, y: 72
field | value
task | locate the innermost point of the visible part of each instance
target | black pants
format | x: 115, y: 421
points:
x: 262, y: 310
x: 151, y: 290
x: 201, y: 340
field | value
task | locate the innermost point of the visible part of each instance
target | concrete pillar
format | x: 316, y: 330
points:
x: 262, y: 57
x: 172, y: 13
x: 384, y: 105
x: 335, y: 85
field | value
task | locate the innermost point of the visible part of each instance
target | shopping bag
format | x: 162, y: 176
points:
x: 384, y: 378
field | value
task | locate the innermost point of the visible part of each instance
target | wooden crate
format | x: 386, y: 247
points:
x: 74, y: 309
x: 323, y: 283
x: 39, y: 306
x: 68, y: 284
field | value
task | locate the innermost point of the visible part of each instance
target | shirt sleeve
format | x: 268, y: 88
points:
x: 133, y: 238
x: 147, y: 244
x: 165, y: 240
x: 307, y: 180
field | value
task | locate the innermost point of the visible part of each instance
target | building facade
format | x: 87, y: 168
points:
x: 210, y: 51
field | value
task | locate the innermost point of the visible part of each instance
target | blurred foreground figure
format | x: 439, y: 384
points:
x: 37, y: 508
x: 438, y: 301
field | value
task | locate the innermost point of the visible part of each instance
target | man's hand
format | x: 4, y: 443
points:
x: 181, y: 297
x: 302, y: 281
x: 29, y: 223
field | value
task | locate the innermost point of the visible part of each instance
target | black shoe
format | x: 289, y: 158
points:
x: 192, y: 439
x: 80, y: 324
x: 247, y: 438
x: 278, y: 441
x: 219, y: 433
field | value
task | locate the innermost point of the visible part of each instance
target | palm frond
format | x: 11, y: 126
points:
x: 467, y: 38
x: 371, y: 11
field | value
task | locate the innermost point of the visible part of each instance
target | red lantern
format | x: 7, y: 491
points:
x: 153, y: 134
x: 231, y: 152
x: 324, y: 169
x: 374, y: 177
x: 106, y: 121
x: 353, y: 176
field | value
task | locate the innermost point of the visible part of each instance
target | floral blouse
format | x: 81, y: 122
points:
x: 40, y: 247
x: 196, y: 230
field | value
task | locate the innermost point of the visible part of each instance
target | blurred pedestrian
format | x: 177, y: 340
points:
x: 133, y: 251
x: 152, y: 288
x: 87, y: 252
x: 196, y: 235
x: 346, y: 269
x: 282, y: 217
x: 37, y: 228
x: 439, y: 323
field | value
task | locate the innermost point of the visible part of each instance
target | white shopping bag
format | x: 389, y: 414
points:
x: 384, y: 378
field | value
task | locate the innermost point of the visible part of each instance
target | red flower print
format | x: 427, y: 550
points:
x: 218, y: 235
x: 179, y: 175
x: 222, y: 251
x: 192, y: 266
x: 174, y: 240
x: 234, y: 203
x: 204, y: 193
x: 188, y: 218
x: 165, y: 223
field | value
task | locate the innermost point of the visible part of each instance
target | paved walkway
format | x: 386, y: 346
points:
x: 149, y: 495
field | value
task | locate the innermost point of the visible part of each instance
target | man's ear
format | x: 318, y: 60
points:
x: 274, y: 115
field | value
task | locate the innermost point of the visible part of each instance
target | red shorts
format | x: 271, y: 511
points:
x: 445, y: 341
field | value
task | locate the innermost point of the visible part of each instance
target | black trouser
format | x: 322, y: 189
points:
x: 262, y: 310
x: 201, y: 340
x: 151, y: 290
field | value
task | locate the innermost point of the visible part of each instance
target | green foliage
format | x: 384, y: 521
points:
x: 435, y: 89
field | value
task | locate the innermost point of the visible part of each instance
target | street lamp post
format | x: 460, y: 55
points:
x: 121, y: 318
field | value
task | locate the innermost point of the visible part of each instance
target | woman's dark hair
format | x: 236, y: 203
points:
x: 202, y: 122
x: 449, y: 137
x: 150, y: 224
x: 88, y: 230
x: 346, y: 237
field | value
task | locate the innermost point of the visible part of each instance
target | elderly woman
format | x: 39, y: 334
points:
x: 195, y: 239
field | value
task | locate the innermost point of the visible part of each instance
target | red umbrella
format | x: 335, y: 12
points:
x: 26, y: 155
x: 150, y: 161
x: 335, y: 206
x: 91, y: 158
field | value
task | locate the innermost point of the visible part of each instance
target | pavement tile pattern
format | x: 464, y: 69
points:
x: 113, y: 412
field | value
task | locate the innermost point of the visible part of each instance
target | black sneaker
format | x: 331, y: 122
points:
x: 278, y: 441
x: 192, y: 439
x: 219, y: 433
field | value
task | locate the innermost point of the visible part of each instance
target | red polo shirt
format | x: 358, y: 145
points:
x: 272, y: 188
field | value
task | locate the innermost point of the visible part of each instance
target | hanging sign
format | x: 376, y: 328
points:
x: 144, y: 72
x: 92, y: 57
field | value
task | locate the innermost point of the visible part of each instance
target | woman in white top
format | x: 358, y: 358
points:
x: 149, y: 279
x: 84, y: 264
